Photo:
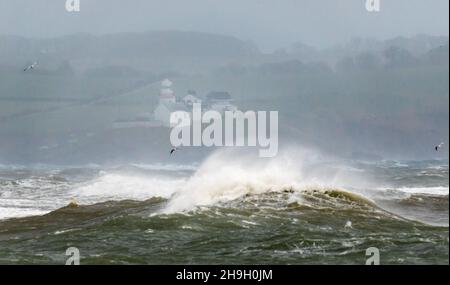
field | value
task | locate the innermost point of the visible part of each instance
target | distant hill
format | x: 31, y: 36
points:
x: 151, y: 50
x: 438, y: 55
x: 416, y: 45
x: 364, y: 98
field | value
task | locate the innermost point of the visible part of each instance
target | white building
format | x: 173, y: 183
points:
x: 167, y: 104
x: 190, y: 99
x: 166, y: 94
x: 220, y: 101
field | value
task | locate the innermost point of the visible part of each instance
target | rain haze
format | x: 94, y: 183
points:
x: 268, y: 24
x: 373, y: 81
x: 224, y: 132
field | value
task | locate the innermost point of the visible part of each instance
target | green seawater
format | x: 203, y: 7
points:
x: 288, y: 226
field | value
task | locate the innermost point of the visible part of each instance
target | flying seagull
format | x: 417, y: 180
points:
x: 32, y: 66
x: 173, y: 150
x: 439, y: 146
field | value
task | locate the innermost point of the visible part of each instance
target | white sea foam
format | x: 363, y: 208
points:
x: 440, y: 190
x: 167, y: 167
x: 110, y: 187
x: 226, y: 176
x: 18, y: 212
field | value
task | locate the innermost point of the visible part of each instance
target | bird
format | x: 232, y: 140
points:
x: 439, y: 146
x: 173, y: 150
x: 32, y: 66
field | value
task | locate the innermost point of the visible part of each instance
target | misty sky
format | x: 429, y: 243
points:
x: 270, y: 24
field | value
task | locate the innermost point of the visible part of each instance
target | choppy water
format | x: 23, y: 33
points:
x: 227, y: 210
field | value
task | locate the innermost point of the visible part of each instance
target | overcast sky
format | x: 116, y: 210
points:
x: 270, y: 24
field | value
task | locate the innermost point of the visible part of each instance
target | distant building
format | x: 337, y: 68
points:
x: 191, y: 98
x: 167, y: 104
x: 166, y: 94
x: 220, y: 101
x: 217, y: 100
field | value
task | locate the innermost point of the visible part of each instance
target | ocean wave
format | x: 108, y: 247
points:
x: 223, y: 177
x: 166, y: 167
x: 113, y: 187
x: 226, y: 177
x: 274, y: 202
x: 439, y: 190
x: 19, y: 212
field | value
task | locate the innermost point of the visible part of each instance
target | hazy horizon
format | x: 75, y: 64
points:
x: 271, y: 26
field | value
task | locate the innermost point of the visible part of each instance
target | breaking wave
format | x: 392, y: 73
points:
x: 231, y: 205
x: 224, y: 177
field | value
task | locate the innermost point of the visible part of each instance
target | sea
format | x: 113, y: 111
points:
x: 297, y: 208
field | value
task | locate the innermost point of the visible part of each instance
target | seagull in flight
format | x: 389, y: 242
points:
x: 32, y: 66
x: 439, y: 146
x: 173, y: 150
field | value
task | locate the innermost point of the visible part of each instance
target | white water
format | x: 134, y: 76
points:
x: 116, y: 187
x: 440, y: 190
x: 227, y: 175
x: 224, y: 176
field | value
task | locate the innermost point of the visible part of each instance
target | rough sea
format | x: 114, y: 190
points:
x: 294, y: 209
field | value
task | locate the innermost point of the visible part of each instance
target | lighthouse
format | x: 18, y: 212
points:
x: 167, y: 104
x: 166, y: 94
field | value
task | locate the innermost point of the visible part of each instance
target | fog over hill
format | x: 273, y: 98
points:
x: 268, y: 24
x: 364, y: 98
x: 147, y: 51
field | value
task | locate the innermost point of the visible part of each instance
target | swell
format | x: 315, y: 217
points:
x: 222, y: 179
x: 317, y: 202
x: 286, y: 226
